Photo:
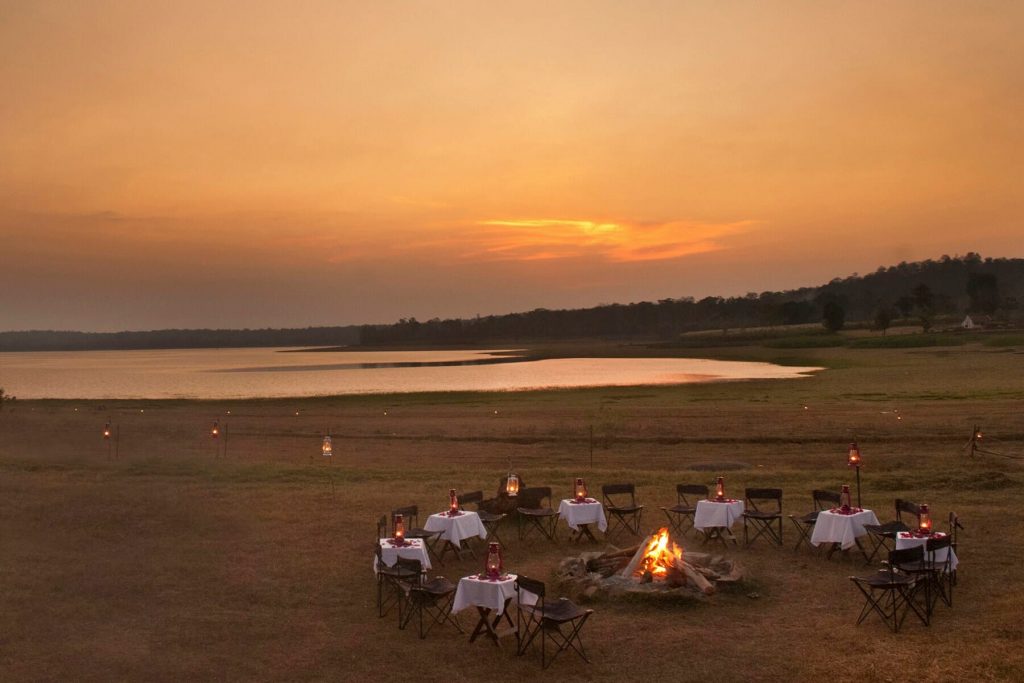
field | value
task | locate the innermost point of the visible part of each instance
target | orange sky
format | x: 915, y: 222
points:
x: 233, y: 164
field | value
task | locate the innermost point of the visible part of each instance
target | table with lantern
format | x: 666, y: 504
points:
x: 455, y: 525
x: 714, y: 518
x: 579, y: 514
x: 491, y: 597
x: 907, y: 539
x: 410, y: 549
x: 842, y: 528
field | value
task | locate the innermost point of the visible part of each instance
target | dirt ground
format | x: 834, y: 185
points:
x: 177, y: 560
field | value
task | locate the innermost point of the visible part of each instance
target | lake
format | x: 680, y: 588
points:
x: 271, y: 373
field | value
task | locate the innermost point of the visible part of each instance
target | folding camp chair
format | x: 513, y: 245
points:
x: 413, y: 530
x: 680, y: 516
x: 823, y: 500
x: 433, y: 600
x: 620, y: 501
x: 890, y: 593
x: 537, y: 517
x: 389, y: 592
x: 936, y: 574
x: 490, y: 520
x: 764, y: 518
x: 883, y: 536
x: 535, y: 616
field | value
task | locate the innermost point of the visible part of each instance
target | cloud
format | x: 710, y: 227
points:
x: 617, y: 242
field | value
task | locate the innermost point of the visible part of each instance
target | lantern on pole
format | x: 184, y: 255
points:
x: 453, y: 503
x: 327, y: 448
x: 720, y: 489
x: 925, y: 520
x: 106, y: 431
x: 494, y: 566
x: 215, y: 430
x: 854, y: 461
x: 580, y: 490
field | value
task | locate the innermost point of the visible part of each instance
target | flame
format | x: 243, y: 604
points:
x: 660, y: 555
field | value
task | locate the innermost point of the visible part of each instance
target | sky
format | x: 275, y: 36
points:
x: 250, y: 164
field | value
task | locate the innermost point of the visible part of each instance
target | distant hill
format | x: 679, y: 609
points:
x: 920, y: 290
x: 43, y: 340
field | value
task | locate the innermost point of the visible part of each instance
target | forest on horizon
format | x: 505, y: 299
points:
x: 923, y: 290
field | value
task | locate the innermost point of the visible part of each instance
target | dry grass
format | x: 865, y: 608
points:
x: 171, y: 563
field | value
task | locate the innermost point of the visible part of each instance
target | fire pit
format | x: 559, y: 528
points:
x: 656, y: 567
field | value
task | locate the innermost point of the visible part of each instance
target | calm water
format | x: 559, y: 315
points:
x: 252, y: 373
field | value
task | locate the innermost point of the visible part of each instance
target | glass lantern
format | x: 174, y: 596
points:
x: 400, y: 529
x: 925, y: 523
x: 453, y: 503
x: 720, y: 489
x: 844, y: 499
x: 854, y: 457
x: 327, y: 448
x: 215, y: 430
x: 580, y: 490
x: 494, y: 566
x: 512, y: 485
x: 106, y: 431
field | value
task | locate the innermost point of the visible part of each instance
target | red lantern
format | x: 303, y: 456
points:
x: 854, y: 458
x: 400, y: 529
x: 580, y: 490
x: 453, y: 503
x: 215, y: 431
x: 925, y: 523
x: 720, y: 489
x: 495, y: 566
x: 844, y: 499
x: 106, y: 431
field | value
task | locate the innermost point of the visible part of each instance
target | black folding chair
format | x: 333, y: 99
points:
x: 764, y: 514
x: 680, y: 516
x: 535, y: 616
x: 890, y: 593
x: 955, y: 527
x: 490, y: 520
x: 620, y: 502
x: 883, y: 536
x: 823, y: 500
x: 430, y: 601
x: 935, y: 572
x: 537, y: 516
x: 411, y: 514
x: 389, y: 580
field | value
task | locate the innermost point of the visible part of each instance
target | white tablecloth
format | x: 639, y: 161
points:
x: 575, y: 514
x: 907, y: 540
x: 712, y: 514
x: 455, y: 529
x: 473, y: 590
x: 833, y: 527
x: 414, y: 551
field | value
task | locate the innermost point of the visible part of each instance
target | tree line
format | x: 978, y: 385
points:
x: 920, y: 291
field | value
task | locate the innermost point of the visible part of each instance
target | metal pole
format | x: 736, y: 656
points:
x: 225, y: 440
x: 858, y: 488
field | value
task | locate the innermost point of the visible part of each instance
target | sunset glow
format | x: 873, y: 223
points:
x: 339, y: 162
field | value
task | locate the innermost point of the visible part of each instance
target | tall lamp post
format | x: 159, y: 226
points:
x: 854, y: 461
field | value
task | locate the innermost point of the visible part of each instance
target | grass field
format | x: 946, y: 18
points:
x: 172, y: 563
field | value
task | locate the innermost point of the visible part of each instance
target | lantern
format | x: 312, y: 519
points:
x: 580, y: 490
x: 453, y: 503
x: 327, y: 448
x: 494, y: 567
x: 844, y: 499
x: 512, y: 485
x: 925, y: 523
x: 215, y: 430
x: 720, y: 489
x: 854, y: 458
x: 400, y: 529
x: 106, y: 431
